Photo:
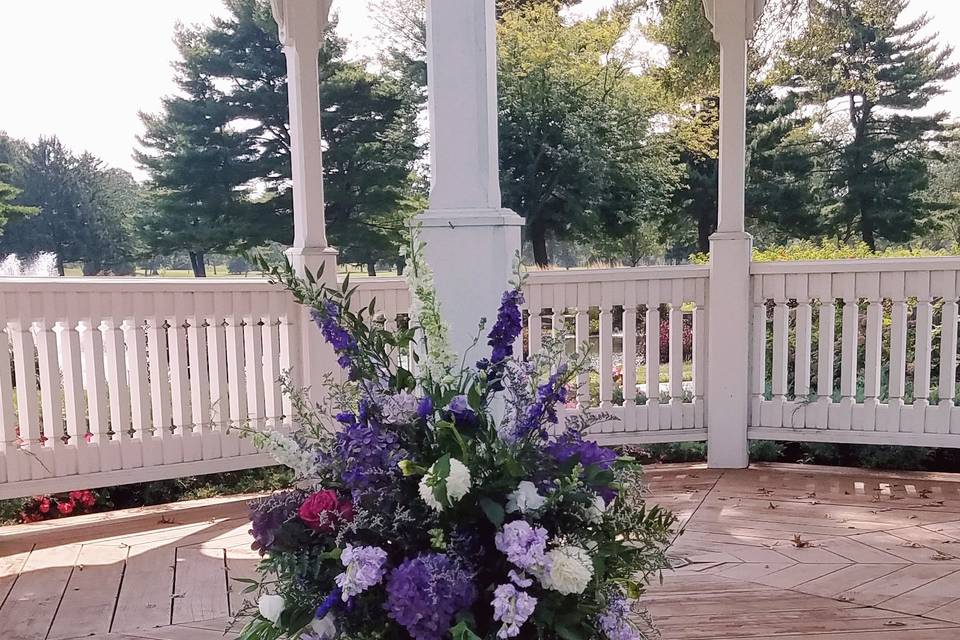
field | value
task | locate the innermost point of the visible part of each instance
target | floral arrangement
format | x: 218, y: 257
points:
x: 439, y: 500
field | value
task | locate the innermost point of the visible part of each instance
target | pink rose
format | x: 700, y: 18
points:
x: 65, y: 508
x: 324, y: 510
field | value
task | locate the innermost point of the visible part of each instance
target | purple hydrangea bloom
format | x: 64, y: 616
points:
x: 524, y: 546
x: 364, y: 569
x: 512, y: 608
x: 507, y: 328
x: 369, y: 454
x: 614, y: 621
x: 572, y: 444
x: 268, y: 514
x: 425, y: 593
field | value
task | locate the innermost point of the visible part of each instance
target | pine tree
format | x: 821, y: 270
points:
x: 9, y: 210
x: 871, y: 79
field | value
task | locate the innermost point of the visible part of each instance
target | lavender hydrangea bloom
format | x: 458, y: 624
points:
x: 369, y: 454
x: 614, y: 621
x: 512, y: 608
x: 269, y: 513
x: 507, y: 328
x: 400, y: 408
x: 524, y: 546
x: 364, y: 569
x: 425, y: 593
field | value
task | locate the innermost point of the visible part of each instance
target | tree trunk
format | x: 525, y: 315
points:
x: 538, y: 238
x: 60, y: 271
x: 867, y: 233
x: 401, y: 265
x: 704, y: 229
x: 371, y: 268
x: 197, y: 262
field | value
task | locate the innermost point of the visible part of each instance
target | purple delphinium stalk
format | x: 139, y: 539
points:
x: 364, y: 569
x: 614, y: 621
x: 425, y: 407
x: 425, y: 593
x: 268, y: 514
x: 462, y: 414
x: 588, y: 453
x: 344, y: 344
x: 328, y: 603
x: 511, y: 608
x: 524, y: 546
x: 507, y: 328
x: 544, y: 409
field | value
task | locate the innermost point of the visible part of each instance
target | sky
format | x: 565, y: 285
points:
x: 83, y: 69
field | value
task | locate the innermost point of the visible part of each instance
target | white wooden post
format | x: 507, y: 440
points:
x: 730, y: 247
x: 470, y: 239
x: 301, y: 27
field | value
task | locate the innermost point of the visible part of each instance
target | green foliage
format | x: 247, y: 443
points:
x: 579, y: 157
x: 870, y: 76
x: 83, y: 210
x: 9, y: 210
x: 808, y: 250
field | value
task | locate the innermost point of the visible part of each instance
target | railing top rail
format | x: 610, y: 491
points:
x: 929, y: 263
x: 78, y: 284
x: 618, y: 274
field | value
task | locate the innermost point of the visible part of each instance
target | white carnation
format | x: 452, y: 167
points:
x: 458, y: 484
x: 525, y: 498
x: 596, y: 510
x: 569, y: 570
x: 271, y: 607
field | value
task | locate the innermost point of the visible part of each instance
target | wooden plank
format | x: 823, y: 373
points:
x: 91, y: 594
x: 147, y: 589
x: 200, y: 591
x: 242, y: 562
x: 32, y: 602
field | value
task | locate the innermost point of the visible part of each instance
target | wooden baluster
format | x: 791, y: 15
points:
x: 180, y: 381
x: 700, y: 354
x: 58, y: 459
x: 534, y: 328
x: 253, y: 357
x: 289, y: 352
x: 826, y: 327
x: 781, y: 329
x: 9, y: 449
x: 237, y: 377
x: 629, y: 422
x: 918, y: 283
x: 145, y: 439
x: 943, y: 284
x: 91, y: 342
x: 273, y: 407
x: 217, y: 367
x: 159, y: 361
x: 801, y: 363
x: 898, y: 359
x: 28, y: 406
x: 606, y: 351
x: 204, y: 441
x: 758, y: 355
x: 676, y: 355
x: 652, y: 329
x: 582, y: 332
x: 118, y: 388
x: 74, y: 399
x: 872, y: 364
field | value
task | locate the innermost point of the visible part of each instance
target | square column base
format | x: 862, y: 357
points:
x: 472, y: 254
x: 728, y: 350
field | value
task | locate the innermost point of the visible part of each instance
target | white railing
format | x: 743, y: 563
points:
x: 107, y: 381
x: 634, y: 311
x: 856, y: 351
x: 132, y: 379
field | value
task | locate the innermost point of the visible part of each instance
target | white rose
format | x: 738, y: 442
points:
x: 569, y: 570
x: 324, y: 628
x: 271, y: 606
x: 458, y: 484
x: 596, y: 510
x: 525, y: 498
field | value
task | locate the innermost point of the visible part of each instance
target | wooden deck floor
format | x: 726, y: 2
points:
x: 799, y: 553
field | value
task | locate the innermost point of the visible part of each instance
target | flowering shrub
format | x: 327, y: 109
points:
x: 446, y: 501
x: 58, y: 506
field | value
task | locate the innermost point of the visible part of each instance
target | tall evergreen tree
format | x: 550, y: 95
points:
x: 871, y: 77
x: 9, y: 209
x: 221, y: 153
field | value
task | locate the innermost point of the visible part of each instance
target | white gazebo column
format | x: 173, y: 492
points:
x: 728, y: 327
x: 470, y: 239
x: 301, y: 24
